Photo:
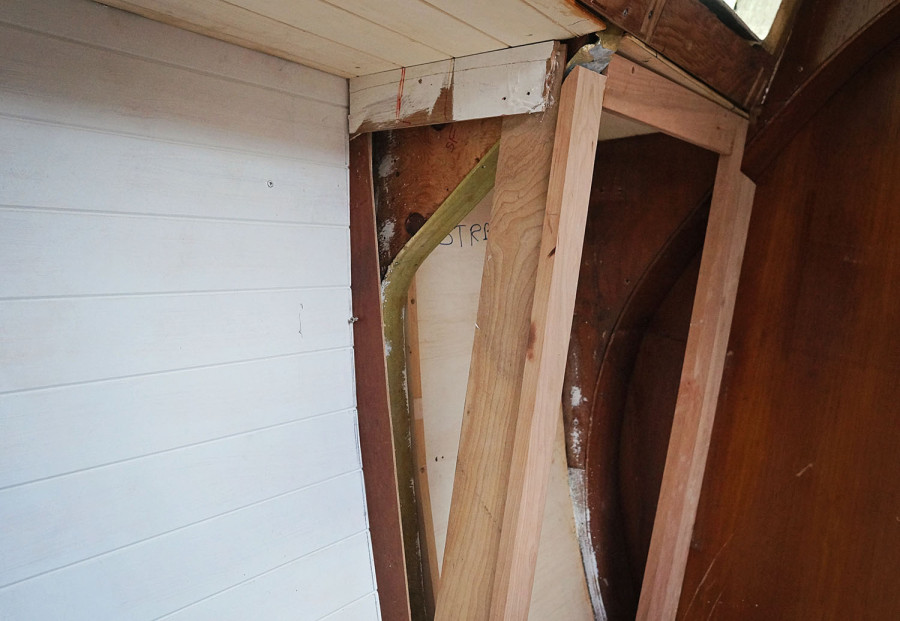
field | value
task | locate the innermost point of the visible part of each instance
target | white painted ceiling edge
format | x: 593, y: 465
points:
x: 352, y: 38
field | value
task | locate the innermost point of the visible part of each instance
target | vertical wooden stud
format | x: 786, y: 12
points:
x: 375, y: 437
x: 698, y: 393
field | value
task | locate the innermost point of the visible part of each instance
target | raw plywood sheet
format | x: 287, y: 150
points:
x: 448, y: 286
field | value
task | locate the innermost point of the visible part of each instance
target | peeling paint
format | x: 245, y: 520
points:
x: 386, y: 234
x: 578, y: 491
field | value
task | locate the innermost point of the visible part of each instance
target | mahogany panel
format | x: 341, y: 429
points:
x: 373, y: 411
x: 645, y: 222
x: 798, y: 516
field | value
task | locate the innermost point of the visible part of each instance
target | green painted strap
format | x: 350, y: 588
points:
x: 394, y: 290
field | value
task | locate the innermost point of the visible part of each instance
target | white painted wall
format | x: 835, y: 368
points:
x: 177, y: 425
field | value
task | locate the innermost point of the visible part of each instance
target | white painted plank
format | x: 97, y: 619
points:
x: 62, y: 341
x: 54, y: 522
x: 177, y: 569
x: 365, y: 609
x: 513, y: 22
x: 99, y: 26
x: 44, y: 165
x: 504, y: 82
x: 307, y: 588
x: 224, y: 20
x: 142, y: 415
x: 346, y: 28
x: 422, y: 22
x: 49, y: 253
x: 88, y: 87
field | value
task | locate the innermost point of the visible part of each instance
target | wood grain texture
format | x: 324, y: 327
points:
x: 447, y: 287
x: 689, y: 34
x: 798, y: 512
x: 640, y: 94
x: 698, y: 392
x: 498, y: 356
x: 415, y: 171
x: 556, y: 281
x: 646, y: 219
x: 375, y: 435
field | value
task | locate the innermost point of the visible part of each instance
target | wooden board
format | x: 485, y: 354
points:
x: 638, y: 93
x: 486, y: 85
x: 447, y: 290
x: 375, y: 435
x: 479, y: 489
x: 556, y: 281
x: 698, y: 393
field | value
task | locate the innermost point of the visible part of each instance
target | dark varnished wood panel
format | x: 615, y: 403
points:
x: 374, y: 415
x: 645, y: 223
x: 798, y: 516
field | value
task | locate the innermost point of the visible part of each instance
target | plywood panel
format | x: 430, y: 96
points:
x: 336, y: 573
x: 62, y: 520
x: 211, y: 557
x: 44, y: 165
x: 448, y: 285
x: 130, y: 95
x: 142, y: 415
x: 132, y: 335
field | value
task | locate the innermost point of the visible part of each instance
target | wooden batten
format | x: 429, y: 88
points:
x: 640, y: 94
x: 559, y: 261
x: 375, y: 436
x: 698, y: 392
x: 498, y: 355
x: 505, y: 82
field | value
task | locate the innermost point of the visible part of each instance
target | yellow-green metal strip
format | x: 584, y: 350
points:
x: 394, y: 291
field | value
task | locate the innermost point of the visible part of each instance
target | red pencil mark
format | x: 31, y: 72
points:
x: 400, y: 89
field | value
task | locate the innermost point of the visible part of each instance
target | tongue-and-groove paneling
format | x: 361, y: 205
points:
x: 177, y: 424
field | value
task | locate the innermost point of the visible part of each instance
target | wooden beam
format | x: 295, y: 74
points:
x: 498, y: 357
x: 562, y: 238
x: 638, y: 93
x: 375, y: 436
x: 698, y: 392
x: 500, y: 83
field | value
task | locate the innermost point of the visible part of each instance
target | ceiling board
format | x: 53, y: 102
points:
x: 361, y: 37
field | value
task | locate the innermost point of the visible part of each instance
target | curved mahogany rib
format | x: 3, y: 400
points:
x: 646, y: 222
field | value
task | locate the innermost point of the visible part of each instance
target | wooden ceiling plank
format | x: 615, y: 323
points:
x: 345, y: 28
x: 698, y: 392
x: 515, y: 22
x: 247, y: 29
x: 562, y: 239
x: 498, y: 357
x: 422, y: 22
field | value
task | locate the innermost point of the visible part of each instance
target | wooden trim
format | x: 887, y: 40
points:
x: 500, y: 83
x: 690, y: 35
x: 498, y: 357
x: 375, y: 437
x: 559, y: 262
x: 698, y: 393
x: 638, y: 93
